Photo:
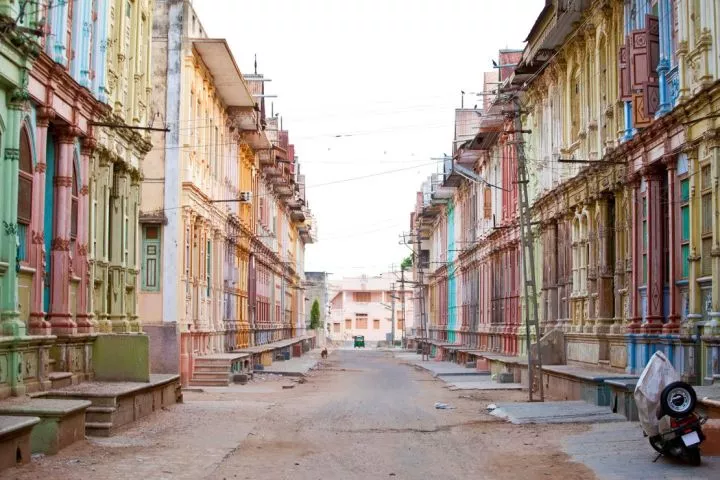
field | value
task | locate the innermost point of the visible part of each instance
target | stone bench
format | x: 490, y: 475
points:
x: 15, y: 440
x: 622, y: 399
x: 62, y: 422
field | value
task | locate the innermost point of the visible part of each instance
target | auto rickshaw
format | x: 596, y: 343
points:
x: 359, y: 341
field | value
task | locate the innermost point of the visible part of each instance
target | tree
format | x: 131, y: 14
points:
x: 315, y: 315
x: 407, y: 263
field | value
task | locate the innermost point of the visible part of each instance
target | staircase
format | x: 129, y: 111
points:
x: 215, y: 370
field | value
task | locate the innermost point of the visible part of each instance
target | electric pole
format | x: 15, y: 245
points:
x: 528, y: 258
x: 392, y: 303
x: 402, y: 299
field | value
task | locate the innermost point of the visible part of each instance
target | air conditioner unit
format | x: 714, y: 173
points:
x: 245, y: 197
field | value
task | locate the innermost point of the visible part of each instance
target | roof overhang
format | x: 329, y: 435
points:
x: 217, y: 57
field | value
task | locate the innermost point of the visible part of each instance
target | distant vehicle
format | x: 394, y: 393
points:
x: 359, y: 341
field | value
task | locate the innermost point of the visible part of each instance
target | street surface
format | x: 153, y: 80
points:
x: 360, y: 415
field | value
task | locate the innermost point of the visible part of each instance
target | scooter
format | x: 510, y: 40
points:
x: 666, y: 410
x: 680, y: 428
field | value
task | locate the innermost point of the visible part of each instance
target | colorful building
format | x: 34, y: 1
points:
x: 223, y: 210
x: 618, y: 111
x: 364, y: 306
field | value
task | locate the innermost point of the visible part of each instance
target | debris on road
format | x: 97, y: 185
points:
x: 491, y: 407
x: 285, y: 387
x: 443, y: 406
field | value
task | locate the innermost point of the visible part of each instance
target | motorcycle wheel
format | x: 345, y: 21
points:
x: 692, y: 456
x: 678, y: 400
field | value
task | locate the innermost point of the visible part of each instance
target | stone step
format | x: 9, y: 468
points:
x: 99, y: 414
x: 62, y: 422
x: 211, y: 376
x: 15, y: 440
x: 60, y: 379
x: 211, y: 369
x: 115, y: 404
x: 208, y: 383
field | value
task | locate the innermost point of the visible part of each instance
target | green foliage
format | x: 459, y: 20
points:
x: 315, y: 315
x: 407, y: 263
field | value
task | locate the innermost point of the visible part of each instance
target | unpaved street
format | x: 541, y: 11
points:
x: 362, y: 415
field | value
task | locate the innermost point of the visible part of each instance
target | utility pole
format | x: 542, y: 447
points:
x: 392, y: 303
x: 528, y: 258
x: 402, y: 299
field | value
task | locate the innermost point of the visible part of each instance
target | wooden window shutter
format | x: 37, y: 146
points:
x: 624, y: 77
x: 487, y: 203
x: 651, y: 92
x: 644, y: 53
x: 25, y: 180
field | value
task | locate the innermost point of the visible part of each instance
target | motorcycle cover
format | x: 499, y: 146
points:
x: 658, y: 373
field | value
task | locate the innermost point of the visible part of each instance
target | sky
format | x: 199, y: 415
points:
x: 367, y: 89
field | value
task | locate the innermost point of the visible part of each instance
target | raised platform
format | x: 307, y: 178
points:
x: 115, y: 404
x: 62, y: 422
x: 15, y: 440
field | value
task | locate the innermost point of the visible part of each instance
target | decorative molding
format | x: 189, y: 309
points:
x: 12, y: 154
x: 10, y: 228
x: 62, y: 181
x: 40, y: 167
x: 60, y: 244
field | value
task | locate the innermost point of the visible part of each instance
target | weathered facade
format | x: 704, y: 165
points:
x: 224, y: 216
x: 618, y: 110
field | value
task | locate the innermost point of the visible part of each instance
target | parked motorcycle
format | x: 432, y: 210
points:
x: 666, y: 408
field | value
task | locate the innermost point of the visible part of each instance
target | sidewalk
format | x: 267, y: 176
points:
x: 456, y: 377
x: 573, y: 411
x: 295, y: 367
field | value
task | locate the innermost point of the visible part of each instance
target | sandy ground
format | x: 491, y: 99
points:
x: 361, y: 415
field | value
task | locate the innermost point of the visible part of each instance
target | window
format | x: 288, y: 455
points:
x: 685, y: 227
x: 208, y: 266
x: 361, y: 297
x: 74, y: 202
x: 376, y: 324
x: 151, y: 258
x: 400, y: 324
x: 348, y: 324
x: 361, y: 321
x: 25, y: 185
x: 707, y: 216
x: 336, y: 327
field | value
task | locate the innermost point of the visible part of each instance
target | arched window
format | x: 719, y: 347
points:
x: 25, y: 185
x: 74, y: 204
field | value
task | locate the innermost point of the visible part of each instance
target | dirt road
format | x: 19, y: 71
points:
x: 361, y: 415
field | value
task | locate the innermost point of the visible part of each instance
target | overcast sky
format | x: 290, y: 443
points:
x: 384, y: 74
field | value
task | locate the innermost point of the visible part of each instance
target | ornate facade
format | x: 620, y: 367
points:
x: 618, y: 109
x: 223, y: 214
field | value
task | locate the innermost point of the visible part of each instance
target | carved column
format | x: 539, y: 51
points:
x: 38, y: 325
x: 623, y: 232
x: 604, y: 284
x: 117, y: 249
x: 633, y: 265
x: 654, y: 282
x: 59, y: 315
x: 84, y: 316
x: 673, y: 239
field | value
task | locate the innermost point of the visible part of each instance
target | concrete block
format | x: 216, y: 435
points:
x: 505, y: 377
x: 15, y: 440
x: 711, y: 445
x: 164, y: 347
x: 122, y: 358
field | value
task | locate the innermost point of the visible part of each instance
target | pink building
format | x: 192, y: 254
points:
x: 364, y: 306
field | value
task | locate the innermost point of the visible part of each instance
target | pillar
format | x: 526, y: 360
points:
x: 655, y: 261
x: 673, y: 238
x: 59, y: 315
x: 9, y: 312
x: 84, y: 316
x: 665, y: 19
x: 635, y: 317
x: 38, y: 325
x: 117, y: 240
x: 605, y: 275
